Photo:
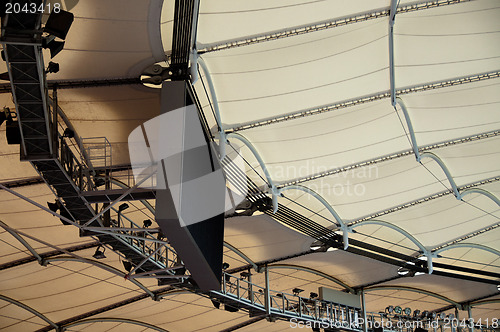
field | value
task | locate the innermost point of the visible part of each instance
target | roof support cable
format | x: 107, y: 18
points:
x: 273, y: 190
x: 215, y: 102
x: 343, y: 227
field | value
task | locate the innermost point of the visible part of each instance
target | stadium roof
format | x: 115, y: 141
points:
x: 381, y: 125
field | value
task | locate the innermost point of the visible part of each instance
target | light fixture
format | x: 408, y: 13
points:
x: 416, y: 313
x: 498, y: 288
x: 99, y: 182
x: 146, y: 223
x: 389, y: 309
x: 99, y: 254
x: 332, y: 249
x: 407, y: 311
x: 225, y: 266
x: 54, y: 206
x: 315, y: 247
x: 313, y: 295
x: 53, y: 67
x: 5, y: 76
x: 12, y: 131
x: 245, y: 275
x: 53, y: 45
x: 123, y: 207
x: 297, y: 291
x: 127, y: 266
x: 425, y: 314
x: 3, y: 115
x: 398, y: 310
x: 68, y: 133
x: 58, y: 24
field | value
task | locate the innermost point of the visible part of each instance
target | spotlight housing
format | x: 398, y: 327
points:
x: 225, y: 266
x: 58, y: 24
x: 53, y: 45
x: 313, y: 295
x: 53, y: 67
x: 398, y: 310
x: 297, y: 291
x: 127, y: 266
x: 68, y: 133
x: 146, y: 223
x: 123, y: 207
x: 99, y: 254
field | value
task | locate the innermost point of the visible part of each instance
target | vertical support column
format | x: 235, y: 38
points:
x: 250, y: 286
x: 363, y: 308
x: 266, y: 293
x: 469, y: 314
x: 54, y: 122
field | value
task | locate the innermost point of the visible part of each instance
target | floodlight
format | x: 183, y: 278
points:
x: 58, y: 24
x: 3, y: 117
x: 53, y: 67
x: 416, y: 313
x: 407, y: 311
x: 99, y: 254
x: 225, y: 266
x: 12, y: 132
x: 313, y: 295
x: 398, y: 310
x: 389, y: 309
x: 127, y: 266
x: 99, y: 182
x: 123, y: 207
x: 53, y: 45
x: 245, y: 274
x: 297, y: 291
x: 68, y: 133
x: 146, y: 223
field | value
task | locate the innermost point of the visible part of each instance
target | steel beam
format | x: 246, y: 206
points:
x: 28, y: 308
x: 401, y: 154
x: 367, y: 99
x: 320, y: 26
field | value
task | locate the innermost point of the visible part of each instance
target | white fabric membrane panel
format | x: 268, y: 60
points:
x: 111, y: 112
x: 454, y: 289
x: 445, y: 219
x: 234, y: 20
x: 474, y: 161
x: 351, y: 269
x: 107, y: 40
x: 375, y: 188
x: 454, y: 112
x: 296, y: 148
x: 301, y: 72
x: 447, y: 42
x: 261, y: 238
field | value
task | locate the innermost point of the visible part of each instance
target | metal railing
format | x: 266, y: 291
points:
x: 290, y: 306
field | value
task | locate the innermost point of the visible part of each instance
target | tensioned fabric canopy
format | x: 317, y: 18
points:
x: 388, y: 138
